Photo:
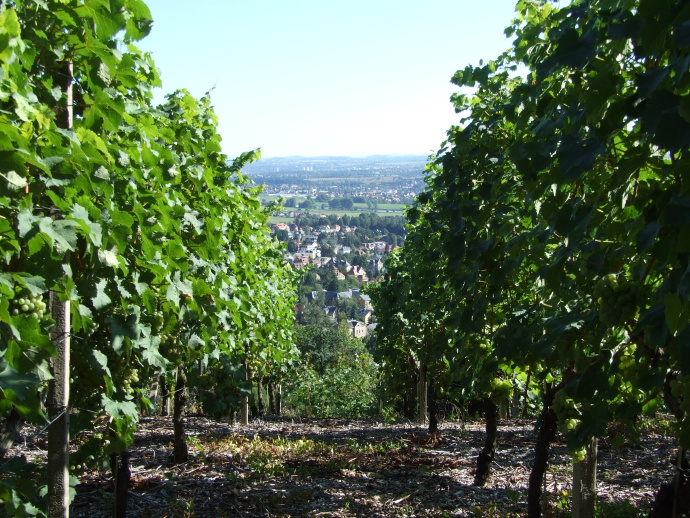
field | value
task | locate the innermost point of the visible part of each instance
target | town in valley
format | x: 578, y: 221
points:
x: 339, y: 218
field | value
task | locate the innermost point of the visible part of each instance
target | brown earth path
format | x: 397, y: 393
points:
x: 336, y: 468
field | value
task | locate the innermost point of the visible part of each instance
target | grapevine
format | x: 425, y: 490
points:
x: 150, y: 227
x: 547, y: 185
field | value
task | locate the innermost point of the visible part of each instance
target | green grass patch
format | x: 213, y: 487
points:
x: 270, y: 457
x: 272, y: 220
x: 391, y: 206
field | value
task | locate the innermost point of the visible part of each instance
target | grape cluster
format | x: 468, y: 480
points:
x: 618, y: 300
x: 478, y: 345
x: 170, y: 346
x: 627, y: 364
x: 566, y: 411
x: 579, y: 454
x: 678, y: 387
x: 124, y: 371
x: 128, y: 376
x: 501, y: 389
x: 29, y: 304
x: 156, y: 321
x: 168, y: 341
x: 90, y: 338
x: 568, y: 420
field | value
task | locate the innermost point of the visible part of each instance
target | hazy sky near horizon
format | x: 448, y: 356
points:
x: 317, y: 77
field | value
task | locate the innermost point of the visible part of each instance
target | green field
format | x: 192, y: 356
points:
x: 382, y: 206
x: 283, y: 219
x: 359, y: 208
x: 280, y: 219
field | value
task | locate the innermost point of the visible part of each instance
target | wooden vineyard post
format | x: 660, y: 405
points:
x: 422, y: 394
x: 58, y: 412
x: 57, y: 401
x: 585, y: 483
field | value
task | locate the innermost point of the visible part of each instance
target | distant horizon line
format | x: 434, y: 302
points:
x: 426, y: 155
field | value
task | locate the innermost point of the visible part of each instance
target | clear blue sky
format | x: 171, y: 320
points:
x: 319, y: 77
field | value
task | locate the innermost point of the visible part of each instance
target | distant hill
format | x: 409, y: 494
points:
x: 341, y: 166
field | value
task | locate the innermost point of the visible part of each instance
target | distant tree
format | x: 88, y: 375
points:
x: 290, y: 202
x: 341, y: 203
x: 369, y: 268
x: 335, y: 284
x: 292, y: 246
x: 365, y: 234
x: 282, y: 235
x: 396, y: 225
x: 308, y: 221
x: 352, y: 240
x: 339, y: 375
x: 348, y: 308
x: 310, y: 279
x: 322, y: 197
x: 327, y: 278
x: 327, y: 251
x: 370, y: 342
x: 333, y: 219
x: 306, y: 204
x: 310, y: 284
x: 359, y: 199
x: 366, y: 220
x: 351, y: 282
x: 359, y: 260
x: 312, y: 313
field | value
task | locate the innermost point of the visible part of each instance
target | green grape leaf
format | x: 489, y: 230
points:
x: 101, y: 299
x: 119, y: 409
x: 102, y: 361
x: 91, y: 229
x: 107, y: 22
x: 13, y: 182
x: 122, y: 327
x: 677, y: 314
x: 19, y: 384
x: 151, y: 354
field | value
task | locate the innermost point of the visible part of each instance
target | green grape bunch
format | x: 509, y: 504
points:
x: 569, y: 419
x: 618, y: 299
x: 631, y: 367
x: 128, y: 377
x: 564, y: 406
x: 170, y: 344
x: 578, y: 455
x: 567, y: 412
x: 479, y: 345
x: 501, y: 389
x: 29, y: 304
x: 157, y: 320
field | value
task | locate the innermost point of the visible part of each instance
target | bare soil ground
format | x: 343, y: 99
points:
x: 331, y: 468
